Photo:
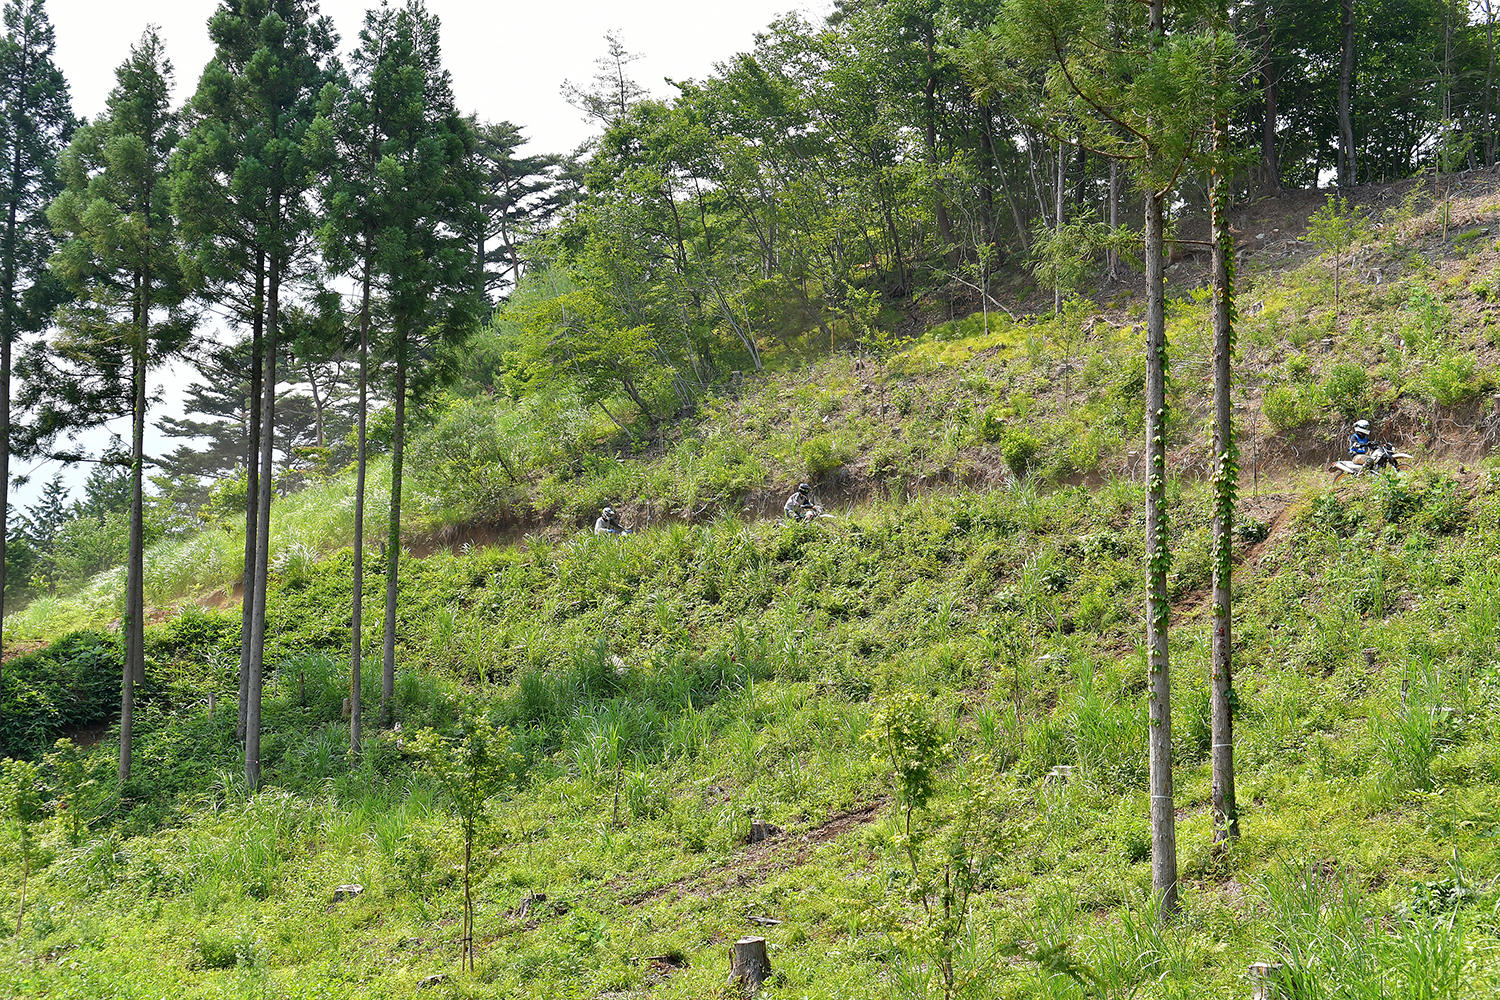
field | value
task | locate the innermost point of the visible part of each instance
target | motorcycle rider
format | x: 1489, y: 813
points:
x: 609, y: 523
x: 1359, y: 442
x: 801, y: 505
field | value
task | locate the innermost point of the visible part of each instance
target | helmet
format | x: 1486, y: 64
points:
x: 1361, y: 427
x: 803, y: 487
x: 609, y: 513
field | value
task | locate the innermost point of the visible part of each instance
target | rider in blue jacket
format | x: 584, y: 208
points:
x: 1359, y: 441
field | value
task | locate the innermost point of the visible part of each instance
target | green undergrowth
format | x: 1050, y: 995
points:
x: 665, y: 690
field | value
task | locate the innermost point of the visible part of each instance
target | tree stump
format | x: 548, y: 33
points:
x: 1265, y: 978
x: 761, y: 830
x: 749, y: 964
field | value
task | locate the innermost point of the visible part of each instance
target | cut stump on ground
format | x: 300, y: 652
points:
x: 749, y: 963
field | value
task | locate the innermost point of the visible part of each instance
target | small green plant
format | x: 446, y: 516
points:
x: 77, y: 790
x: 822, y: 454
x: 23, y: 804
x: 1019, y: 448
x: 469, y: 768
x: 1334, y: 229
x: 1451, y: 380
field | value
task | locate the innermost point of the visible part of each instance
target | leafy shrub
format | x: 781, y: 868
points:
x: 1450, y: 380
x: 991, y: 427
x: 73, y: 682
x: 1019, y: 447
x: 1347, y: 389
x: 1289, y: 407
x: 822, y: 454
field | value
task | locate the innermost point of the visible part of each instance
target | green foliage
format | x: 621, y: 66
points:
x: 1019, y: 448
x: 1451, y: 380
x: 1347, y: 389
x: 1288, y: 407
x: 1338, y: 225
x: 72, y: 683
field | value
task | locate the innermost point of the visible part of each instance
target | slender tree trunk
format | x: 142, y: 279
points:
x: 1112, y: 256
x: 1489, y: 83
x: 1058, y: 190
x: 929, y: 114
x: 5, y: 363
x: 1270, y: 159
x: 252, y: 487
x: 263, y: 523
x: 135, y: 616
x: 317, y: 396
x: 393, y: 538
x: 356, y: 640
x: 1346, y: 164
x: 14, y: 192
x: 1226, y: 482
x: 1158, y: 607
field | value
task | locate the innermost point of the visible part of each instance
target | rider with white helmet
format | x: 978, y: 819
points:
x: 609, y: 523
x: 1359, y: 441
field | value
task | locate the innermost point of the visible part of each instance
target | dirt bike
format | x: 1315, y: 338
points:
x: 813, y: 514
x: 1381, y: 458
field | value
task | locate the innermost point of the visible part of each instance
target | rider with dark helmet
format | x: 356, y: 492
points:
x: 609, y: 523
x: 800, y: 505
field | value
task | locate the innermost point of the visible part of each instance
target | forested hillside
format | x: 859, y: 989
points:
x: 1085, y: 676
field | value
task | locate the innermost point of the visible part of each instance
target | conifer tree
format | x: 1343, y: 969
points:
x: 242, y: 185
x: 36, y: 119
x: 348, y: 137
x: 427, y: 189
x: 120, y: 258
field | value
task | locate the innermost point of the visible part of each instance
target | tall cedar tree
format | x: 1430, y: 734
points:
x: 120, y: 258
x: 427, y: 187
x: 36, y: 119
x: 242, y: 192
x: 352, y: 129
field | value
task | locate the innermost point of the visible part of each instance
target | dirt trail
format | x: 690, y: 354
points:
x: 755, y: 862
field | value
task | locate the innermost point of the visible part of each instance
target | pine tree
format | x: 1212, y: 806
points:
x: 520, y: 195
x: 120, y: 258
x: 242, y: 191
x: 36, y: 118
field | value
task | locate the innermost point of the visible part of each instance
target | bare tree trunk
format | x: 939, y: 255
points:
x: 929, y: 114
x: 1489, y: 83
x: 263, y: 527
x: 1058, y: 190
x: 252, y: 487
x: 1226, y: 482
x: 1112, y: 256
x: 1346, y: 164
x: 1270, y: 159
x: 393, y: 538
x: 1158, y: 607
x: 317, y: 396
x: 135, y: 616
x: 356, y: 631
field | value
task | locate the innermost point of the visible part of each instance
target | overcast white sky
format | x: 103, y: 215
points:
x: 509, y: 60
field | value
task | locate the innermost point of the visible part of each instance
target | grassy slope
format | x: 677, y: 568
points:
x: 964, y: 404
x: 665, y: 688
x: 735, y: 672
